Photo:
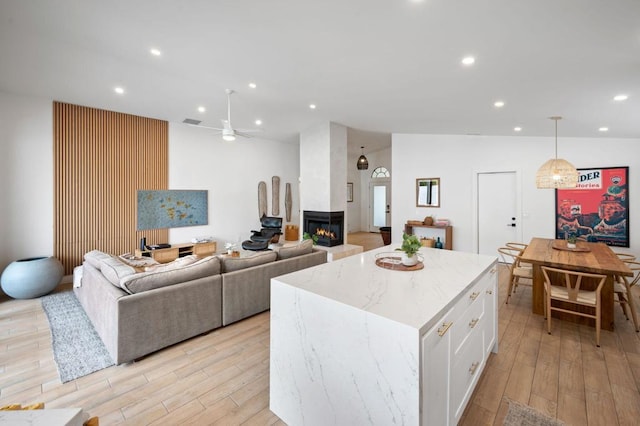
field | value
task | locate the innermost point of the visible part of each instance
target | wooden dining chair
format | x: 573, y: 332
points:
x: 622, y: 289
x: 625, y: 256
x: 517, y: 271
x: 519, y: 246
x: 565, y: 287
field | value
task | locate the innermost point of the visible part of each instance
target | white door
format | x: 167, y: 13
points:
x: 380, y: 207
x: 497, y: 211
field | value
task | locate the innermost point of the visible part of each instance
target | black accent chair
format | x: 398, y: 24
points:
x: 270, y: 232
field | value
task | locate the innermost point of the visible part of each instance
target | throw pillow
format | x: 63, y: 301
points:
x: 138, y: 262
x: 303, y: 247
x: 178, y: 263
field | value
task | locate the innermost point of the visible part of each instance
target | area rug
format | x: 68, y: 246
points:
x: 523, y: 415
x: 77, y: 348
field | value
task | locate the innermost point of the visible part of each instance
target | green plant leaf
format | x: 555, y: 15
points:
x: 410, y: 244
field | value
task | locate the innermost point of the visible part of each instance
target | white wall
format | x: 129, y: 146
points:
x: 197, y: 160
x: 323, y: 169
x: 26, y: 173
x: 457, y: 158
x: 230, y: 171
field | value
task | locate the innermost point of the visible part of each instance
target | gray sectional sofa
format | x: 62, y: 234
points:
x: 137, y: 312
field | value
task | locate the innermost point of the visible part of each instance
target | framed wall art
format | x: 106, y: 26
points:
x: 349, y: 192
x: 597, y: 210
x: 172, y: 208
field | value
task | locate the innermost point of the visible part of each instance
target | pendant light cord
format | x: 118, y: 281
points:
x: 556, y: 120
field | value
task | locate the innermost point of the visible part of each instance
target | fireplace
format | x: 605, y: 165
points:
x: 327, y: 226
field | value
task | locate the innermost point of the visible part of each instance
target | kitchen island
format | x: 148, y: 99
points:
x: 354, y: 343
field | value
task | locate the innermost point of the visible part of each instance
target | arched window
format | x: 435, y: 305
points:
x: 380, y: 172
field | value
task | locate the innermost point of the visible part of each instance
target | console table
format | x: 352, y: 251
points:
x: 444, y: 232
x: 166, y: 255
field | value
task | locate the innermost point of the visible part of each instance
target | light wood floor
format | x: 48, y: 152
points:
x: 368, y: 240
x: 223, y: 377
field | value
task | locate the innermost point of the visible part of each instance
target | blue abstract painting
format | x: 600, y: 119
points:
x: 172, y: 209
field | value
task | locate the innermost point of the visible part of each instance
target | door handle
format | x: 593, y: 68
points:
x: 511, y: 225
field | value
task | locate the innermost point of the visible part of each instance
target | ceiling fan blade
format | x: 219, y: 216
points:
x: 248, y: 130
x: 243, y: 134
x: 205, y: 127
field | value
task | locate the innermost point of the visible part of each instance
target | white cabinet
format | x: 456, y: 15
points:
x: 436, y: 345
x: 353, y: 343
x: 491, y: 309
x: 455, y: 351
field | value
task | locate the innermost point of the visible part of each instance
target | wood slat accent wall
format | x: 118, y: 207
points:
x: 101, y: 159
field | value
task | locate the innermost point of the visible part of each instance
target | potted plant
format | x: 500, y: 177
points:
x: 571, y: 240
x: 307, y: 236
x: 230, y: 248
x: 410, y: 246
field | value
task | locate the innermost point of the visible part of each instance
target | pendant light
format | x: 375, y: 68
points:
x: 556, y: 173
x: 363, y: 163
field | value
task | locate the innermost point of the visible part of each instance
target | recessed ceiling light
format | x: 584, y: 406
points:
x: 201, y: 109
x: 469, y: 60
x: 517, y: 129
x: 498, y: 104
x: 620, y: 97
x: 312, y: 106
x: 603, y: 129
x: 258, y: 122
x: 155, y: 52
x: 119, y: 90
x: 253, y: 85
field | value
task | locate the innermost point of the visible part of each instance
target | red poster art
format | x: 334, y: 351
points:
x: 597, y: 209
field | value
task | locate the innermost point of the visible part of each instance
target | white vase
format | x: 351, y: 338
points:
x: 32, y: 277
x: 409, y: 260
x: 571, y: 245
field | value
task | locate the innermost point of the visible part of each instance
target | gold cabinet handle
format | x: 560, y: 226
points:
x: 473, y: 322
x: 445, y: 327
x: 474, y: 295
x: 473, y: 368
x: 492, y: 271
x: 489, y: 291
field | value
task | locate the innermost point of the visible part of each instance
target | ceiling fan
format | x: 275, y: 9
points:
x: 227, y: 131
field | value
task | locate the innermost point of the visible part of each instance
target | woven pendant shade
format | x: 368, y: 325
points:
x: 556, y: 173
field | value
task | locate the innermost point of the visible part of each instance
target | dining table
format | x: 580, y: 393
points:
x: 591, y: 257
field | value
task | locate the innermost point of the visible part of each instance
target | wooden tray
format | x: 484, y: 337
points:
x: 394, y: 263
x: 562, y: 245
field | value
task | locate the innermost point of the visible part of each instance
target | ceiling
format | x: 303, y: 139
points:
x: 383, y: 66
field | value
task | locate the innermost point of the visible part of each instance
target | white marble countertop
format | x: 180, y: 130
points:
x: 413, y: 298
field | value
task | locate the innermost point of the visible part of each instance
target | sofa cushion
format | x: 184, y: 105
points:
x: 114, y: 270
x: 175, y: 264
x: 230, y: 264
x: 303, y: 247
x: 145, y: 281
x: 94, y: 257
